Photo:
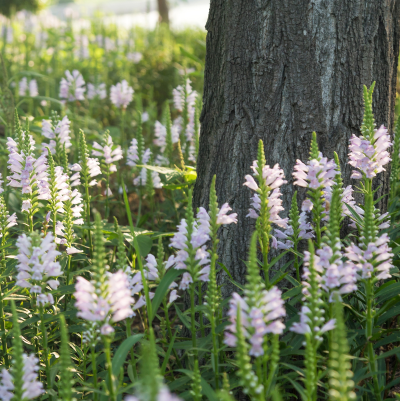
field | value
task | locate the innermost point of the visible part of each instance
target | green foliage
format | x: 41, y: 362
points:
x: 10, y: 7
x: 340, y: 382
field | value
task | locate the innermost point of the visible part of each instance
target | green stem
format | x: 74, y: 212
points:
x: 215, y: 350
x: 167, y: 321
x: 94, y: 371
x: 368, y: 334
x: 88, y: 217
x: 44, y: 347
x: 107, y: 350
x: 3, y: 329
x: 296, y: 262
x: 193, y: 313
x: 128, y: 334
x: 200, y: 302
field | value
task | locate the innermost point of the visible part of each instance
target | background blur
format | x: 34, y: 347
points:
x: 126, y: 13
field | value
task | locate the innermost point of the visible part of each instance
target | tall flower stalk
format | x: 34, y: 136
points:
x: 312, y: 323
x: 90, y: 168
x: 372, y: 258
x: 109, y: 154
x: 316, y: 175
x: 266, y: 202
x: 212, y: 298
x: 257, y: 331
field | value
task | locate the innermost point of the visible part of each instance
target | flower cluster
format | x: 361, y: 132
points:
x: 25, y: 88
x: 105, y: 307
x: 284, y: 239
x: 198, y: 266
x: 133, y: 156
x: 36, y: 265
x: 274, y: 179
x: 257, y: 321
x: 110, y: 152
x: 29, y: 174
x: 311, y: 315
x: 316, y: 174
x: 337, y: 277
x: 97, y: 91
x: 152, y: 273
x: 58, y: 135
x: 304, y: 326
x: 72, y: 88
x: 375, y: 261
x: 121, y: 94
x: 369, y: 156
x: 31, y: 387
x: 94, y: 170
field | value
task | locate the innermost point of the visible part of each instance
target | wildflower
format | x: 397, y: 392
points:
x: 72, y: 88
x: 184, y: 94
x: 304, y: 326
x: 23, y: 86
x: 257, y: 320
x: 311, y: 315
x: 141, y: 179
x: 109, y: 305
x: 134, y: 158
x: 33, y: 88
x: 223, y: 217
x: 121, y: 94
x: 274, y: 178
x: 97, y: 91
x: 374, y: 261
x: 6, y: 221
x: 337, y: 277
x: 36, y: 265
x: 369, y: 155
x: 59, y: 134
x: 29, y: 174
x: 317, y: 173
x: 31, y: 386
x: 94, y: 169
x: 110, y: 155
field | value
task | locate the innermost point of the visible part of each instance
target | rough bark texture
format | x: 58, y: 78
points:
x: 163, y: 11
x: 277, y: 70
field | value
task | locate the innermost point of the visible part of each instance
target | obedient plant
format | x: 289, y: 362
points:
x: 266, y: 202
x: 316, y: 175
x: 72, y: 87
x: 109, y: 154
x: 134, y: 317
x: 257, y: 330
x: 312, y: 323
x: 58, y: 131
x: 21, y: 382
x: 29, y: 174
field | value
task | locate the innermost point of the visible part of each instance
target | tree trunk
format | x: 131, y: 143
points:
x: 163, y: 11
x: 277, y: 70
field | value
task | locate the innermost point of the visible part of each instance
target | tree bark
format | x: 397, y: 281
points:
x: 163, y: 11
x: 277, y: 70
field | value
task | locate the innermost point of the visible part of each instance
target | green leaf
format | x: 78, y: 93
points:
x: 183, y: 318
x: 355, y: 214
x: 145, y: 243
x: 191, y: 56
x: 162, y: 289
x: 169, y: 350
x: 393, y: 351
x: 388, y: 292
x: 122, y: 352
x: 169, y: 173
